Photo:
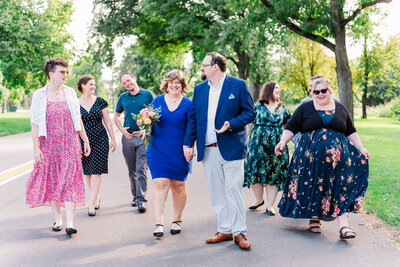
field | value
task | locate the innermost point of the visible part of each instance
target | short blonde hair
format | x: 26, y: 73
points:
x: 323, y: 81
x: 172, y: 75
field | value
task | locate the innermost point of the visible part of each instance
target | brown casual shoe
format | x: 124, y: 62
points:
x: 219, y: 237
x: 242, y: 241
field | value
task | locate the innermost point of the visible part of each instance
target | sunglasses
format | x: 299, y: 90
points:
x: 320, y: 91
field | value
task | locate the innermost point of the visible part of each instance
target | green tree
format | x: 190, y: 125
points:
x: 369, y: 62
x: 385, y: 77
x: 149, y: 68
x: 31, y: 31
x: 321, y: 21
x: 237, y: 29
x: 303, y: 60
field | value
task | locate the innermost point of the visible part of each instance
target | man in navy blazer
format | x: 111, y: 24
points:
x: 222, y: 106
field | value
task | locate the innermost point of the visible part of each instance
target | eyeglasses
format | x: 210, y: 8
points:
x: 63, y: 72
x: 207, y: 65
x: 320, y: 91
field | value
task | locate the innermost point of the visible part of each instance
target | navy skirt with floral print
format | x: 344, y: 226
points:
x: 327, y: 177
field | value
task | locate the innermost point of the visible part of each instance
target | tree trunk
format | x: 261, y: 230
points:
x: 343, y: 71
x: 366, y: 74
x: 4, y: 109
x: 26, y: 102
x: 255, y: 86
x: 243, y: 65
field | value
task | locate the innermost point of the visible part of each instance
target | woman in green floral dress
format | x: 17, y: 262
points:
x: 262, y: 167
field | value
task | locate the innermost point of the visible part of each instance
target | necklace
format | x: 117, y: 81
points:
x: 174, y: 100
x: 56, y: 92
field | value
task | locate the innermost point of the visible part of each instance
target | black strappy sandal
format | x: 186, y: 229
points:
x: 174, y: 231
x: 312, y: 227
x: 349, y: 234
x: 159, y: 234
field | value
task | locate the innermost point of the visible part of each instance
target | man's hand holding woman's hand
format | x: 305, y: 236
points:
x: 189, y: 153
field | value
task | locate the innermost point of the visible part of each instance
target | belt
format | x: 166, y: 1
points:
x: 212, y: 145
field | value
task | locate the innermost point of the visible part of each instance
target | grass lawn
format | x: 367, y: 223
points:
x: 381, y: 136
x: 14, y: 122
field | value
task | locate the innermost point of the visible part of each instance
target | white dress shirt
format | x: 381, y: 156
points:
x: 39, y: 105
x: 213, y: 98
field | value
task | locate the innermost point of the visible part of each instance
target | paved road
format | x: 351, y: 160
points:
x: 120, y: 236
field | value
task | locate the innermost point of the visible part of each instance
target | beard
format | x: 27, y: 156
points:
x: 203, y: 77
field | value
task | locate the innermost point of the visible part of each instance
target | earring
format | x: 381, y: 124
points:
x: 83, y: 90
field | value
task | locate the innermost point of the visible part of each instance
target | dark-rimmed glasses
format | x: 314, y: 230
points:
x: 316, y: 92
x: 63, y: 72
x: 207, y: 65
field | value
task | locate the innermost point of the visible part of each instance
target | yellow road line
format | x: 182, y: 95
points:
x: 16, y: 170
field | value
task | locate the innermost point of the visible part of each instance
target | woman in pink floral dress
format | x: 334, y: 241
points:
x: 57, y: 177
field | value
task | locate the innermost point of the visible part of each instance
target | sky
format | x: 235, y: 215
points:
x: 80, y: 22
x: 82, y: 17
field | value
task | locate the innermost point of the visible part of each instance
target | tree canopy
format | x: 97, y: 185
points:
x: 237, y: 29
x: 322, y: 21
x: 31, y: 31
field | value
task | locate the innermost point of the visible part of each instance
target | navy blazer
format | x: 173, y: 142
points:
x: 235, y: 105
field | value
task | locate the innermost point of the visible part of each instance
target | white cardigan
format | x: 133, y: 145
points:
x: 39, y: 105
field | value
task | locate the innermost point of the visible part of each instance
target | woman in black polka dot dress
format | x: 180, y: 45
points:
x: 94, y: 112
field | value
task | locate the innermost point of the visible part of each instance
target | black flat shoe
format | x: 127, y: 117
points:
x: 92, y: 213
x: 256, y: 206
x: 349, y: 234
x: 96, y: 207
x: 142, y: 207
x: 71, y: 231
x: 159, y: 234
x: 176, y: 231
x: 134, y: 204
x: 57, y: 228
x: 270, y: 212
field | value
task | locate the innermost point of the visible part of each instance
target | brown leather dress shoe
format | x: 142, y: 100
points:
x: 219, y: 237
x: 242, y: 241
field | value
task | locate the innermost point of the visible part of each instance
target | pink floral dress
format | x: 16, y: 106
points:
x: 59, y: 177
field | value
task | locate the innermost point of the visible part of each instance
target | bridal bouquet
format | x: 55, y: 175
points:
x: 146, y: 119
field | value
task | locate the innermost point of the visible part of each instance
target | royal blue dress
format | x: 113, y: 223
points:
x: 165, y: 154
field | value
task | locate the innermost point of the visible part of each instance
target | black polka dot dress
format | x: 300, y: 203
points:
x: 97, y: 162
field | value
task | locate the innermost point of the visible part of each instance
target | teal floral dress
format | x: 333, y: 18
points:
x: 262, y: 165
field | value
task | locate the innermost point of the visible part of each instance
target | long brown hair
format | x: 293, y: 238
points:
x: 267, y: 93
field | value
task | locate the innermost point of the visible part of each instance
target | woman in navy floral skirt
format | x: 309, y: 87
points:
x: 328, y: 173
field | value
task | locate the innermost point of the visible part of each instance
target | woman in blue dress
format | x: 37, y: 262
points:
x: 262, y: 167
x: 165, y: 157
x: 328, y: 172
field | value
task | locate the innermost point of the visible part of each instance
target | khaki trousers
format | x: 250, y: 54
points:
x: 225, y: 182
